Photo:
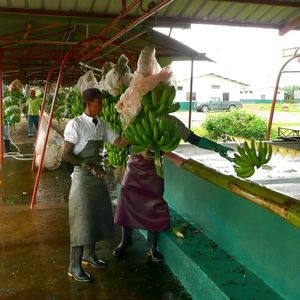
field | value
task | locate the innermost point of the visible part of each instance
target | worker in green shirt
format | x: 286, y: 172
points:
x: 32, y: 107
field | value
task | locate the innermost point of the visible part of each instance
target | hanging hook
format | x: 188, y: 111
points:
x: 150, y: 6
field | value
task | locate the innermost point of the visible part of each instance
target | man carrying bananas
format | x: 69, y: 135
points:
x: 90, y: 212
x: 141, y: 204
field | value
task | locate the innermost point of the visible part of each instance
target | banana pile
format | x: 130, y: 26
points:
x: 116, y: 156
x: 251, y: 156
x: 153, y: 128
x: 12, y: 111
x: 75, y: 103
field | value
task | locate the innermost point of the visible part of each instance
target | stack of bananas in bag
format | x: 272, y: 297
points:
x: 153, y: 128
x: 251, y: 156
x: 116, y: 156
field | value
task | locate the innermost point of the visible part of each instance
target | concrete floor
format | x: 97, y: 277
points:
x: 35, y: 246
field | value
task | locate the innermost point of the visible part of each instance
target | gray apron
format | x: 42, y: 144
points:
x: 90, y: 211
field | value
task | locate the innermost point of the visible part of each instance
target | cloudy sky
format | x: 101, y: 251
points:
x: 249, y: 55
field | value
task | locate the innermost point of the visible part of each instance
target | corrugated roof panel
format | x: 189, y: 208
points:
x: 258, y: 13
x: 271, y: 13
x: 190, y: 8
x: 17, y: 3
x: 291, y: 16
x: 180, y: 9
x: 3, y: 3
x: 68, y: 5
x: 51, y: 5
x: 232, y: 11
x: 100, y: 6
x: 206, y: 9
x: 33, y: 4
x: 219, y: 10
x: 245, y: 12
x: 83, y: 5
x: 283, y: 14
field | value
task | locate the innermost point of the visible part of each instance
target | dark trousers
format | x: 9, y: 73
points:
x: 32, y: 120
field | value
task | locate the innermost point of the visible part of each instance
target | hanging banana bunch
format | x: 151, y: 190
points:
x: 116, y: 156
x: 75, y: 107
x: 251, y: 156
x: 153, y: 129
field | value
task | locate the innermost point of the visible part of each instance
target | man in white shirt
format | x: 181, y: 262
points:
x: 90, y: 212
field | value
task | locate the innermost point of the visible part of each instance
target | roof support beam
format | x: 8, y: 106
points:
x: 44, y: 42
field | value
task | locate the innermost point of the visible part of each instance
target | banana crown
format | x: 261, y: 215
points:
x: 252, y: 154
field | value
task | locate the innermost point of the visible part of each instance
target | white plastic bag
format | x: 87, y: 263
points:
x: 115, y: 76
x: 147, y: 76
x: 87, y: 81
x: 54, y: 148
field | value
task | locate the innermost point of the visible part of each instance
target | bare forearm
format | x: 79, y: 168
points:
x: 72, y: 159
x: 69, y: 155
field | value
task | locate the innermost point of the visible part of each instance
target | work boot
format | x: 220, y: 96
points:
x: 90, y: 258
x: 153, y: 252
x: 125, y: 242
x: 75, y: 270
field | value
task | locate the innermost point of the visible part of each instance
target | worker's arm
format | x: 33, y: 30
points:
x: 70, y: 157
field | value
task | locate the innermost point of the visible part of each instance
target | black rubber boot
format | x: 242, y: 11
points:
x: 90, y: 258
x: 153, y: 252
x: 75, y: 270
x: 7, y: 146
x: 125, y: 242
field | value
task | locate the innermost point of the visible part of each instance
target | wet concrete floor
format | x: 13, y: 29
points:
x: 34, y: 250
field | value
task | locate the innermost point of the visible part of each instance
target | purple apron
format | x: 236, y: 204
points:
x: 141, y: 203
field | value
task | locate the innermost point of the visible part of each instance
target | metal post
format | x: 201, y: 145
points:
x: 275, y: 96
x: 191, y: 93
x: 41, y: 114
x: 1, y: 108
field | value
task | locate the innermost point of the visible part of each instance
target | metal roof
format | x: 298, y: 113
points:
x: 37, y: 33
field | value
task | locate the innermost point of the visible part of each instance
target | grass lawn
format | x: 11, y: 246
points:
x: 278, y: 107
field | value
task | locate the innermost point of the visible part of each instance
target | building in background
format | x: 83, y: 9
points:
x: 260, y: 95
x: 208, y: 87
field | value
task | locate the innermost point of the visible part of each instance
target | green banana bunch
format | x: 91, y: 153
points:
x: 148, y: 132
x: 160, y: 100
x: 153, y: 128
x: 251, y: 156
x: 11, y: 108
x: 110, y: 115
x: 116, y: 156
x: 75, y: 104
x: 60, y: 109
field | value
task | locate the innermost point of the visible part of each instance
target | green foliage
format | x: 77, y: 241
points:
x: 289, y: 92
x: 239, y: 123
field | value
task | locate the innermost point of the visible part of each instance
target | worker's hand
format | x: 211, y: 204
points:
x: 96, y: 170
x: 147, y: 154
x: 121, y: 142
x: 223, y: 150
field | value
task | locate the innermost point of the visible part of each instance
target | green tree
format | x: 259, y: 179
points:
x: 289, y: 92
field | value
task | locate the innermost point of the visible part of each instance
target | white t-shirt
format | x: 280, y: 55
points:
x: 80, y: 130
